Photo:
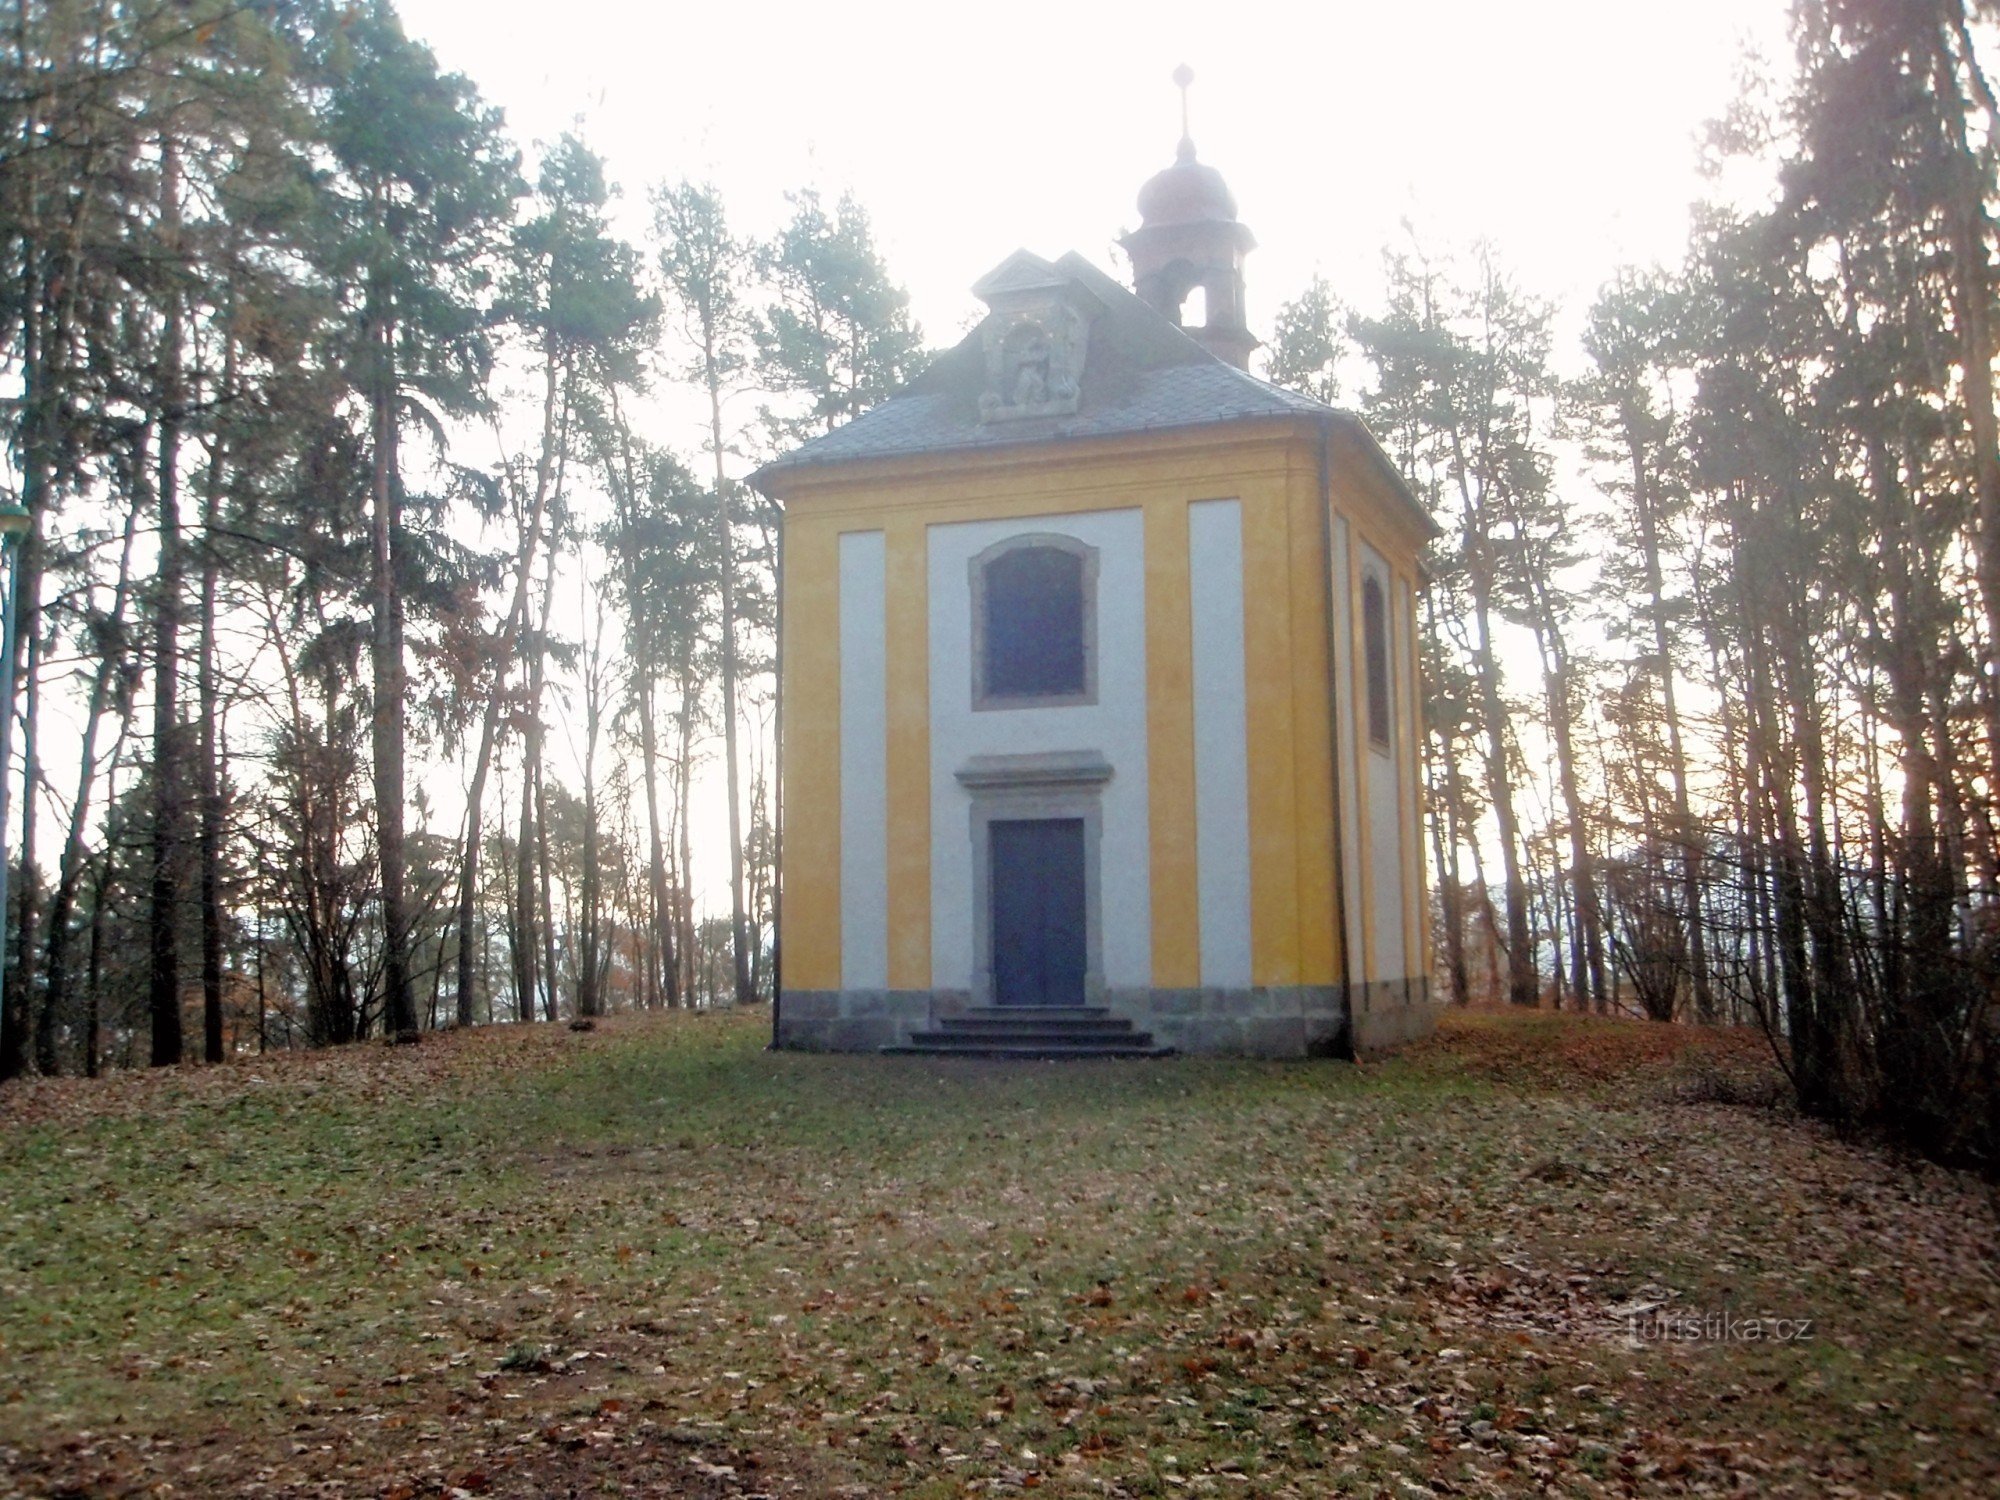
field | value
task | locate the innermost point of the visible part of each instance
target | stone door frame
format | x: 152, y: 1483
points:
x: 1007, y: 788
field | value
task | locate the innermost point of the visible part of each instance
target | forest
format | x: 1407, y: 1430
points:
x: 331, y: 726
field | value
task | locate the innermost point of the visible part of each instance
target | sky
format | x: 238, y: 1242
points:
x: 1564, y: 132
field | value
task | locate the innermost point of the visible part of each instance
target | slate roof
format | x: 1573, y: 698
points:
x: 1141, y: 374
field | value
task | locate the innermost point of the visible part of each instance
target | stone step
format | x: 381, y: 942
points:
x: 1139, y: 1045
x: 987, y: 1025
x: 1027, y: 1031
x: 1014, y: 1015
x: 993, y: 1036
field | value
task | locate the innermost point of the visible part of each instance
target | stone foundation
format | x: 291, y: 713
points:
x: 851, y: 1020
x: 1273, y: 1021
x: 1390, y: 1012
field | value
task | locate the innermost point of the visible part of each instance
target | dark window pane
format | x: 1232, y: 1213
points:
x: 1375, y: 643
x: 1034, y: 623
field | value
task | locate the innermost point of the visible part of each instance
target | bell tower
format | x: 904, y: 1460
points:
x: 1189, y: 240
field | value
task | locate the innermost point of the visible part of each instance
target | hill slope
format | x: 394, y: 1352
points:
x: 655, y: 1258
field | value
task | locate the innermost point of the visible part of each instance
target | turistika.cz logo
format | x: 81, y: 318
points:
x: 1663, y: 1327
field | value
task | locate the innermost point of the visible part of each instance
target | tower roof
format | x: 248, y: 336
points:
x: 1188, y: 192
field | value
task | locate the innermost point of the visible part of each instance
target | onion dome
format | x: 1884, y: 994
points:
x: 1188, y: 192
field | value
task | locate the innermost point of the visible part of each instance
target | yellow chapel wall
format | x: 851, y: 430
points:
x: 1273, y: 471
x: 1377, y: 518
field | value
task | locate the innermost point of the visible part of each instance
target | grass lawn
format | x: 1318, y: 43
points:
x: 654, y: 1259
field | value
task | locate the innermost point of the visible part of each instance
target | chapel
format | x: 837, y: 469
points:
x: 1099, y: 701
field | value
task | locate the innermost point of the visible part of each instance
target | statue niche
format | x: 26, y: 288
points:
x: 1032, y: 367
x: 1035, y: 340
x: 1024, y: 356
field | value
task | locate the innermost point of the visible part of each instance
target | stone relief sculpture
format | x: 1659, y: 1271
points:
x: 1035, y: 341
x: 1027, y: 364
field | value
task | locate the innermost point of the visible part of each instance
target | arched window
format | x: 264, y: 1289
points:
x: 1033, y: 632
x: 1375, y: 652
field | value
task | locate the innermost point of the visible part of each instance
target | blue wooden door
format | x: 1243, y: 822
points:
x: 1038, y: 911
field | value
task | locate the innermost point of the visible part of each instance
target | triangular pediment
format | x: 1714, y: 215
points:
x: 1023, y: 271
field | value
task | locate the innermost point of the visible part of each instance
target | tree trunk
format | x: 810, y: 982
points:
x: 62, y: 906
x: 208, y: 767
x: 663, y: 976
x: 1523, y: 987
x: 386, y: 718
x: 27, y: 934
x: 1444, y: 836
x: 550, y: 970
x: 588, y: 1002
x: 1972, y: 294
x: 1686, y: 833
x: 662, y: 968
x: 48, y: 294
x: 1441, y: 759
x: 683, y: 796
x: 525, y: 963
x: 164, y: 976
x: 739, y: 935
x: 533, y: 852
x: 95, y: 971
x: 509, y: 646
x: 1587, y: 921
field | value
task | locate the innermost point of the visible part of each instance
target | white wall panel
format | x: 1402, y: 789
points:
x: 1385, y: 803
x: 1114, y: 726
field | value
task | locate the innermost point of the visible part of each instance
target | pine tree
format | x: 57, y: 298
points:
x: 1630, y: 429
x: 836, y: 334
x: 572, y: 290
x: 707, y: 272
x: 1309, y: 342
x: 424, y: 187
x: 1456, y: 371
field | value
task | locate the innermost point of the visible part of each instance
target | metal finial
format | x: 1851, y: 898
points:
x: 1183, y: 76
